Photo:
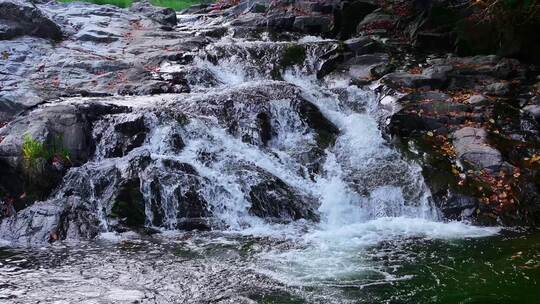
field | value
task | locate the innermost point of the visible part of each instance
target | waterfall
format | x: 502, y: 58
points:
x: 367, y: 192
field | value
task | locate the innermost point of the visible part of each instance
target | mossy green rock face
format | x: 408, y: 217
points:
x: 129, y: 205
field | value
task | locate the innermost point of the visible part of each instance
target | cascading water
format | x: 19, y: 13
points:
x: 262, y: 148
x: 366, y: 192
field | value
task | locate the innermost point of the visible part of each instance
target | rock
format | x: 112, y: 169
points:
x: 438, y: 74
x: 326, y: 131
x: 251, y: 20
x: 280, y: 21
x: 533, y: 111
x: 121, y: 134
x: 247, y: 112
x: 308, y: 6
x: 498, y: 89
x: 431, y: 96
x: 34, y: 225
x: 259, y: 7
x: 472, y: 149
x: 97, y: 35
x: 376, y: 23
x: 273, y: 199
x: 313, y: 24
x: 135, y: 47
x: 362, y: 45
x: 406, y: 123
x: 478, y: 100
x: 329, y: 62
x: 432, y: 41
x: 19, y: 17
x: 9, y: 29
x: 175, y: 199
x: 165, y: 16
x: 61, y: 127
x: 128, y: 207
x: 367, y: 66
x: 196, y: 9
x: 459, y: 207
x: 348, y: 15
x: 78, y: 221
x: 399, y: 80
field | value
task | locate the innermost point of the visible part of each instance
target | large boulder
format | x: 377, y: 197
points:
x: 63, y: 134
x: 174, y: 196
x: 274, y: 199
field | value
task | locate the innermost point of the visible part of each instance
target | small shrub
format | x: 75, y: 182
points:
x: 36, y: 153
x: 33, y: 149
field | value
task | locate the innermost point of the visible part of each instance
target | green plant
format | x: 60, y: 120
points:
x: 33, y: 149
x: 36, y: 152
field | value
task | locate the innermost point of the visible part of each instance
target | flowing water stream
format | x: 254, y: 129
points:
x: 380, y: 239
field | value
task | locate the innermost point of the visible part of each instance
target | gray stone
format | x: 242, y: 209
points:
x: 533, y: 111
x: 478, y: 100
x: 432, y: 96
x: 406, y: 80
x: 275, y: 200
x: 362, y: 67
x: 472, y: 149
x: 438, y: 73
x: 498, y: 89
x: 313, y: 24
x: 362, y: 45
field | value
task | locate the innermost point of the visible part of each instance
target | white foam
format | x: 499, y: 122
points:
x: 116, y: 237
x: 340, y: 252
